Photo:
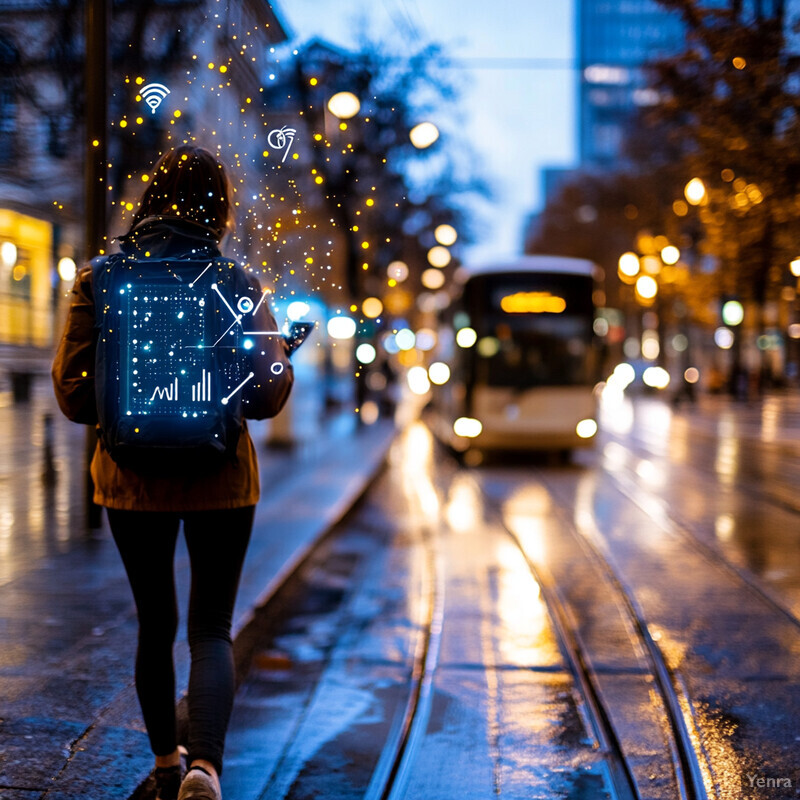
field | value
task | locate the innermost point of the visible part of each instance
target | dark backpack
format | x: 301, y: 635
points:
x: 171, y: 360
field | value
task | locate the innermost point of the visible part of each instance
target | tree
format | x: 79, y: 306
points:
x: 381, y: 195
x: 730, y: 113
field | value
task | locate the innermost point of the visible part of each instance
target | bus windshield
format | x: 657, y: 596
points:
x: 533, y: 328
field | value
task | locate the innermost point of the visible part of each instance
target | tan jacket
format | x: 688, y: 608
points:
x: 235, y: 484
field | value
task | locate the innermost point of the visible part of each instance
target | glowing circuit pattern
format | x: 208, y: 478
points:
x: 171, y: 369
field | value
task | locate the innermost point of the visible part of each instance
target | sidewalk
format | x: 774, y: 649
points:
x: 69, y: 718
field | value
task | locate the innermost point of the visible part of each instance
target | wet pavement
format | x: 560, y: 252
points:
x: 625, y: 625
x: 69, y: 719
x: 593, y: 629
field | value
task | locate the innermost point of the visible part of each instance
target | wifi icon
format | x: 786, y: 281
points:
x: 153, y: 94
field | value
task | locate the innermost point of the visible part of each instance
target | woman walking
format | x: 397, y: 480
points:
x: 186, y: 209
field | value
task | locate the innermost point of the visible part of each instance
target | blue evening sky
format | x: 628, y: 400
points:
x: 518, y: 98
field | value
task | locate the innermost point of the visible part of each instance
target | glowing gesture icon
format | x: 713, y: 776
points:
x: 280, y: 138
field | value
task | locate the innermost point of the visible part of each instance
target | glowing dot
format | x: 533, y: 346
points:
x: 342, y: 126
x: 295, y: 156
x: 129, y: 206
x: 318, y: 179
x: 84, y: 374
x: 123, y: 123
x: 140, y: 81
x: 318, y: 137
x: 370, y: 202
x: 139, y: 120
x: 96, y: 143
x: 223, y: 69
x: 313, y: 81
x: 364, y: 245
x: 354, y: 308
x: 265, y: 154
x: 211, y: 65
x: 145, y: 178
x: 176, y: 113
x: 466, y: 337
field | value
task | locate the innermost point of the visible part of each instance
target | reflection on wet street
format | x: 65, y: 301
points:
x: 620, y: 626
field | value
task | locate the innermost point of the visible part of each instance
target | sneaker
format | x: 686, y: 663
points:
x: 200, y: 785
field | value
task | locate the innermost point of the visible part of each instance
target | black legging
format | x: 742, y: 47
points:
x: 217, y: 542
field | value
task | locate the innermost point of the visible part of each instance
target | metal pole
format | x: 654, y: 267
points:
x: 96, y: 82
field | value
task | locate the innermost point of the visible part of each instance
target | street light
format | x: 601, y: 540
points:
x: 344, y: 105
x: 445, y: 234
x: 646, y: 288
x: 628, y: 266
x: 695, y: 191
x: 670, y: 254
x: 423, y: 135
x: 438, y: 256
x: 795, y: 267
x: 8, y: 254
x: 732, y: 313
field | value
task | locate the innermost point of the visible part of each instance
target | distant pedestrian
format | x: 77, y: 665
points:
x: 185, y: 209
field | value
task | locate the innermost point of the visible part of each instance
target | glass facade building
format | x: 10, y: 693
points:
x: 615, y: 38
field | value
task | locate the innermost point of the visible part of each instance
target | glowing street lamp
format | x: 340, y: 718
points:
x: 344, y: 105
x: 670, y: 254
x: 695, y: 191
x: 438, y: 256
x: 628, y: 267
x: 795, y: 267
x: 423, y: 135
x: 446, y: 235
x: 646, y: 287
x: 732, y: 313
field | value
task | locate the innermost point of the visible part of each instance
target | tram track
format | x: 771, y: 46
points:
x: 690, y: 773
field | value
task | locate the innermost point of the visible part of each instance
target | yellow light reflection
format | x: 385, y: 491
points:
x: 726, y: 463
x: 524, y: 513
x: 464, y: 509
x: 415, y: 454
x: 525, y: 637
x: 533, y: 303
x: 770, y: 415
x: 724, y: 527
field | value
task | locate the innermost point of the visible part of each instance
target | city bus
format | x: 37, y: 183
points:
x: 523, y: 357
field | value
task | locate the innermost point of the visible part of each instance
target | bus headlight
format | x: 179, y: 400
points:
x: 586, y: 428
x: 468, y: 427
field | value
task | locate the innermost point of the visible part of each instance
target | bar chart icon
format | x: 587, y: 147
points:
x: 201, y: 391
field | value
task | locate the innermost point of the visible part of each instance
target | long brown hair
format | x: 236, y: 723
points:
x: 188, y: 183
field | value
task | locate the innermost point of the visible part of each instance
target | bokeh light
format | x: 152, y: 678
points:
x: 365, y: 353
x: 466, y: 337
x: 417, y: 379
x: 439, y: 256
x: 439, y: 373
x: 445, y: 234
x: 423, y: 135
x: 344, y: 105
x: 432, y: 278
x: 67, y: 269
x: 341, y: 328
x: 372, y: 307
